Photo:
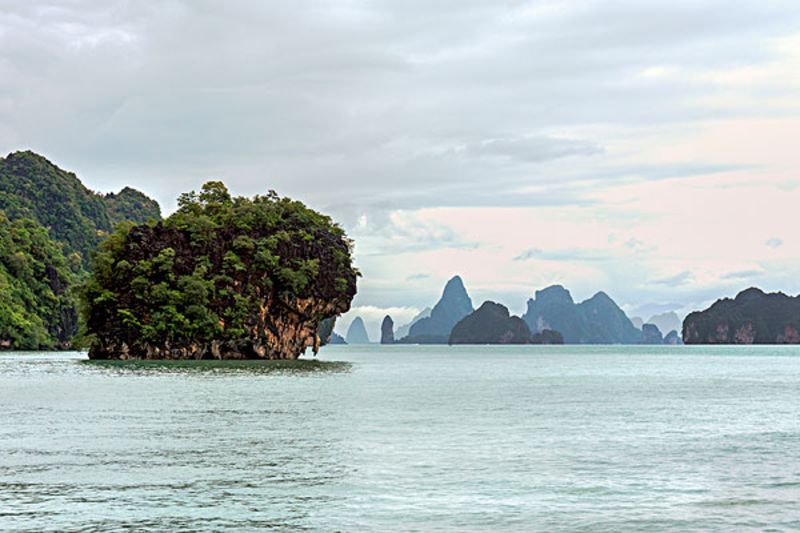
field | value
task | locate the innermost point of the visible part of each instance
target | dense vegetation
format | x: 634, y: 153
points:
x: 222, y: 277
x: 753, y: 317
x: 50, y: 224
x: 131, y: 205
x: 32, y: 187
x: 37, y: 301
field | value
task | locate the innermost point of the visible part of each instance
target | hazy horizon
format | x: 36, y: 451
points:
x: 643, y: 150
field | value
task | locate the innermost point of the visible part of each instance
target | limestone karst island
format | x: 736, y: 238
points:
x: 223, y: 277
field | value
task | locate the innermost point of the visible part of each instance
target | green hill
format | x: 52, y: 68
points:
x: 32, y: 187
x: 50, y: 224
x: 37, y: 301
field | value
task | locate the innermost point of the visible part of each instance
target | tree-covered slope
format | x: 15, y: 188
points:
x: 50, y: 226
x: 222, y: 277
x: 33, y: 187
x: 37, y: 302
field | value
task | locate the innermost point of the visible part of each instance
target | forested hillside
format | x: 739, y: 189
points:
x: 33, y: 187
x: 50, y: 225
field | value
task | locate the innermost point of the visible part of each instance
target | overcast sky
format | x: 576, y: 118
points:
x: 648, y: 149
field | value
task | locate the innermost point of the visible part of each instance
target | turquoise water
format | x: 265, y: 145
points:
x: 408, y: 439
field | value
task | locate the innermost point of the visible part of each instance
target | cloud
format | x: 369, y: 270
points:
x: 681, y: 278
x: 743, y: 274
x: 774, y: 242
x: 531, y: 149
x: 572, y: 254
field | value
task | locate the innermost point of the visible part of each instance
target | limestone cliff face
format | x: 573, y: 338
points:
x: 753, y: 317
x: 387, y: 330
x: 491, y: 323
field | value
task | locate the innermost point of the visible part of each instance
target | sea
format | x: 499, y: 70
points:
x: 407, y: 438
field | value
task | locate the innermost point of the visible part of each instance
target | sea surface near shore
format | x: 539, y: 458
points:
x: 407, y: 438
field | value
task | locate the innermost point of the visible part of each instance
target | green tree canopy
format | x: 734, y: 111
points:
x: 222, y: 277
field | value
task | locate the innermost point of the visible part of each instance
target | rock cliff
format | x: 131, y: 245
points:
x: 387, y: 330
x: 491, y: 323
x: 753, y: 317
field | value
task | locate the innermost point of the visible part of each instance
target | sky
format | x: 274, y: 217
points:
x: 647, y: 149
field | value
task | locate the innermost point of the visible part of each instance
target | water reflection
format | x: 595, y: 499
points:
x: 300, y: 366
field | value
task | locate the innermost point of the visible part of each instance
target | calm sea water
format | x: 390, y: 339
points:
x: 408, y: 439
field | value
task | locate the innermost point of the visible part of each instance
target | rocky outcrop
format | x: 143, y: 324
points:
x: 491, y: 323
x: 387, y: 330
x: 651, y: 334
x: 357, y: 332
x: 547, y: 336
x: 753, y: 317
x: 598, y: 320
x: 454, y: 305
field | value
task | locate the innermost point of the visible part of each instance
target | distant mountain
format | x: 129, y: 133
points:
x: 666, y: 321
x: 753, y: 317
x: 606, y: 322
x: 651, y: 334
x: 598, y: 320
x: 637, y: 322
x: 454, y: 305
x: 491, y: 323
x: 387, y: 330
x: 402, y: 331
x: 357, y: 333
